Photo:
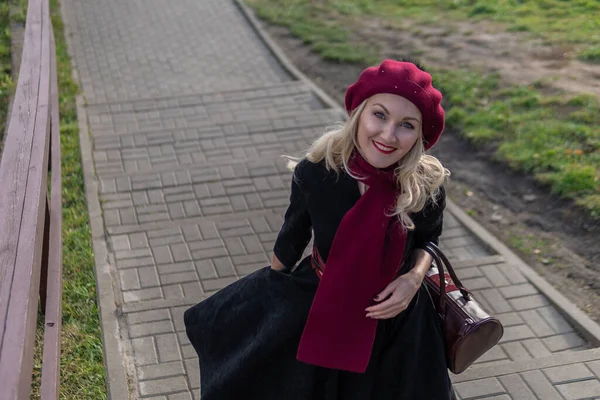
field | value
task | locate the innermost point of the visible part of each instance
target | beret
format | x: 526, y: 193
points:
x: 404, y: 79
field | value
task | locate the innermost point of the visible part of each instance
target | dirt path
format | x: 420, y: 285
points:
x: 549, y: 233
x: 488, y: 48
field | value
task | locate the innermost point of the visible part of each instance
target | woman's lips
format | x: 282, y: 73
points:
x: 383, y: 148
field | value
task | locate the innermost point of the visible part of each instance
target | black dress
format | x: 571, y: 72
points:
x: 247, y: 334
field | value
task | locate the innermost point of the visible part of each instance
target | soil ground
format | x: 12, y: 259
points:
x: 552, y: 235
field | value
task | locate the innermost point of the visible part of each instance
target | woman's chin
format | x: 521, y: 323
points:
x: 379, y: 161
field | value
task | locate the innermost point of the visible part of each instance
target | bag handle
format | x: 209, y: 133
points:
x: 443, y: 265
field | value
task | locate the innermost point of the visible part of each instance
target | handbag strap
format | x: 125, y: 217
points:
x: 448, y: 266
x: 443, y: 265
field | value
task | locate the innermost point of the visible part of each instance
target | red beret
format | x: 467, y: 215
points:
x: 403, y: 79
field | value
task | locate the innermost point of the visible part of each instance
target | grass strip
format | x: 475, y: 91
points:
x: 534, y: 129
x: 6, y: 83
x: 82, y: 362
x: 557, y: 22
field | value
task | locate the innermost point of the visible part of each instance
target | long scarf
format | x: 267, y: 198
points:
x: 365, y: 255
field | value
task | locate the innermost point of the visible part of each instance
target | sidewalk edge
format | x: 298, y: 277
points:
x: 282, y: 58
x: 581, y: 322
x: 114, y: 355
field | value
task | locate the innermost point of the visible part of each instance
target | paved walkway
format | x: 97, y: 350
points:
x: 188, y: 114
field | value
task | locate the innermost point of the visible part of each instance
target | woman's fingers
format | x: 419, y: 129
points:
x: 390, y: 313
x: 389, y: 289
x: 389, y: 308
x: 384, y: 305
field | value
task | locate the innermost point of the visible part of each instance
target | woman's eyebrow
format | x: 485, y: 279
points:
x: 387, y: 112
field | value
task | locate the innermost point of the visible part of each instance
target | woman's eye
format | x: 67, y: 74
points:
x: 380, y: 115
x: 408, y: 125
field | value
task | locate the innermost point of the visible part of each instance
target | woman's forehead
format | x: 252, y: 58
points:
x: 395, y: 104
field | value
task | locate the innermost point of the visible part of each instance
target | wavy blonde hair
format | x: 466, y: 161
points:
x: 419, y: 176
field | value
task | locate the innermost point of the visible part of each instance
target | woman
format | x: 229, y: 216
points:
x: 353, y: 320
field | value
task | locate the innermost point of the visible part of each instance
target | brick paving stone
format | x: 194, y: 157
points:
x: 494, y: 275
x: 496, y: 353
x: 594, y: 366
x: 525, y: 289
x: 496, y: 300
x: 529, y: 302
x: 476, y: 283
x: 193, y: 373
x: 517, y: 388
x: 512, y: 273
x: 180, y: 396
x: 467, y: 273
x: 580, y: 390
x: 144, y: 350
x: 536, y: 348
x: 142, y: 294
x: 479, y: 388
x: 517, y: 332
x: 510, y: 319
x: 163, y: 386
x: 563, y: 342
x: 516, y: 351
x: 540, y: 385
x: 150, y: 328
x: 148, y: 316
x: 567, y: 374
x: 554, y: 319
x: 168, y: 347
x: 161, y: 370
x: 537, y: 323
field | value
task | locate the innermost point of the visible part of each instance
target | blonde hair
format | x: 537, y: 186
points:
x: 419, y: 176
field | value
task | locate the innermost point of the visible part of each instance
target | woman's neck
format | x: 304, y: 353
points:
x: 362, y: 188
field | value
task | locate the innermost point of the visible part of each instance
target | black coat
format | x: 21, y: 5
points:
x: 247, y: 334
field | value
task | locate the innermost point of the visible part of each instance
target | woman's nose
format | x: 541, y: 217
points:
x: 388, y: 133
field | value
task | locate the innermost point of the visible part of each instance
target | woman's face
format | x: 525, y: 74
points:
x: 388, y: 128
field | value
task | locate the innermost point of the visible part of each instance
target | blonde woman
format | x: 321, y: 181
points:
x: 353, y: 320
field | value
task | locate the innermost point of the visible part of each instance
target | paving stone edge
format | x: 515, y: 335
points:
x: 282, y: 58
x: 555, y: 360
x: 582, y: 323
x: 118, y: 380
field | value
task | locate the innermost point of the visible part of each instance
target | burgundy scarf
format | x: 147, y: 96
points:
x: 365, y: 255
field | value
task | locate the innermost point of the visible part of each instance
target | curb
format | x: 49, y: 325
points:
x: 580, y: 321
x: 282, y: 58
x: 589, y: 329
x: 112, y: 343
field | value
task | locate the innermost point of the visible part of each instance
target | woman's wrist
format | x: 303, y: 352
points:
x: 417, y: 276
x: 422, y: 264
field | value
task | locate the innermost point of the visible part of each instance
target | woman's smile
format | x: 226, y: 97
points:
x: 383, y: 148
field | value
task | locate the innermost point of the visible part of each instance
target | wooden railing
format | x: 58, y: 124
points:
x: 30, y: 217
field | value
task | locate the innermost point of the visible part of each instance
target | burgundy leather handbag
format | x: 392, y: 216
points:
x: 468, y: 330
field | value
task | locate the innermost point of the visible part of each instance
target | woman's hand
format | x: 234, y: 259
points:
x: 398, y: 295
x: 276, y: 264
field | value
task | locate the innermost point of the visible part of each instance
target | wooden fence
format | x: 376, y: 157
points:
x: 30, y: 217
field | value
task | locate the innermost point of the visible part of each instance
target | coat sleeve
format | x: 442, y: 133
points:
x: 296, y: 231
x: 428, y: 223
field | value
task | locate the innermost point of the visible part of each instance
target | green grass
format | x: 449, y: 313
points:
x: 557, y: 21
x: 543, y: 132
x: 590, y: 54
x: 82, y: 368
x: 554, y: 137
x: 6, y: 83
